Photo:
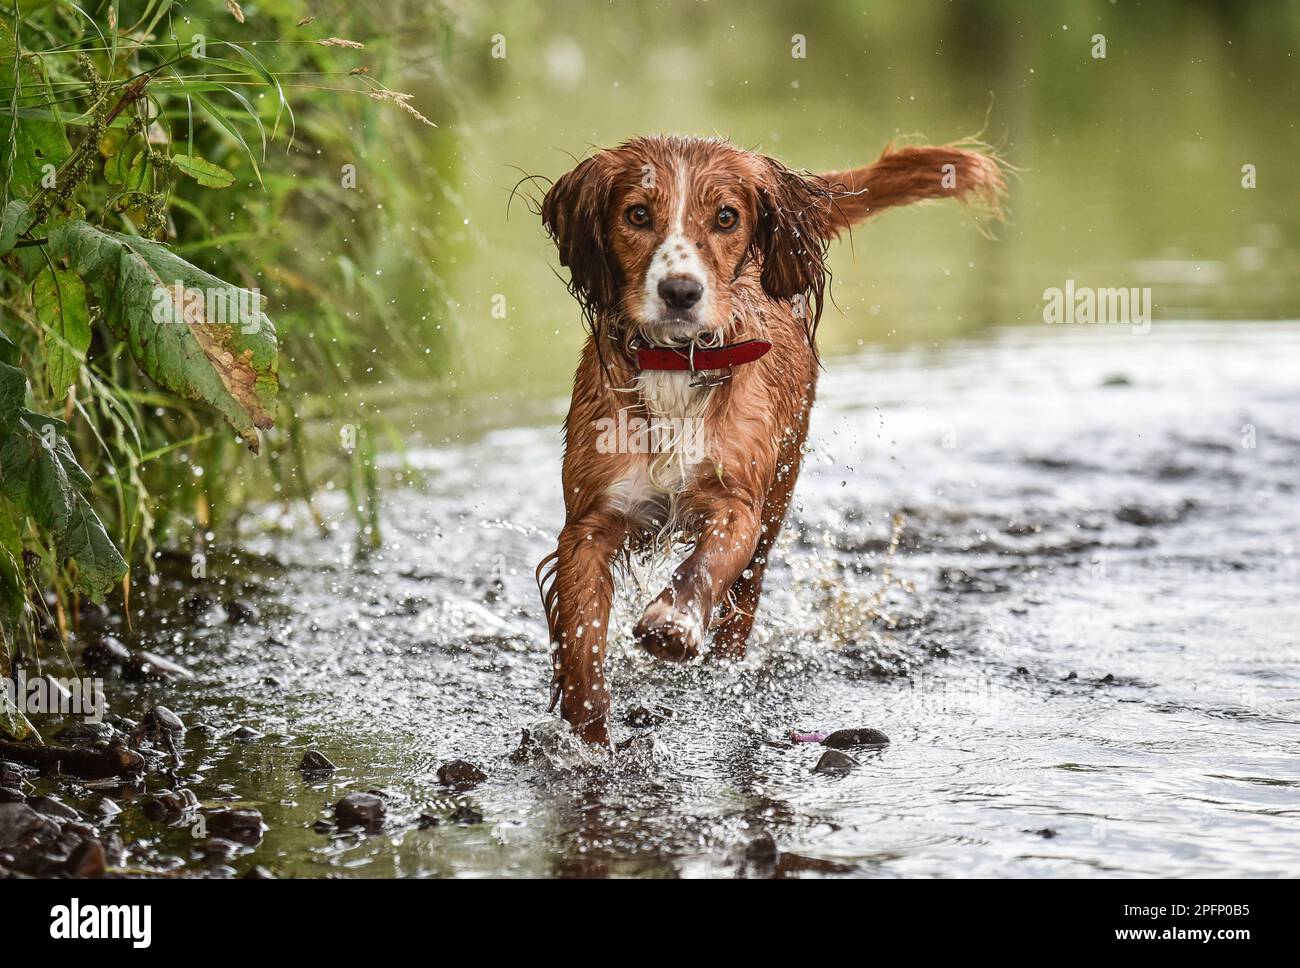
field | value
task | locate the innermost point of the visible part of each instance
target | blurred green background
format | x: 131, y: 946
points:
x: 1130, y: 167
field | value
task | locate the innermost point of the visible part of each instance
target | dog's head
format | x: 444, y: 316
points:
x: 658, y: 232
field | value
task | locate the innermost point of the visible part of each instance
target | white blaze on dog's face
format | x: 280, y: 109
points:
x: 677, y: 298
x: 680, y: 233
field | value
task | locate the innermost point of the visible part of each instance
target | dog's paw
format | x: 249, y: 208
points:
x: 667, y: 634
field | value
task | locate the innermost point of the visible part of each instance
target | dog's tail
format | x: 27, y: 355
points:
x: 968, y: 171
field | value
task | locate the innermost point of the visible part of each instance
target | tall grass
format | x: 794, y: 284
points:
x: 263, y: 148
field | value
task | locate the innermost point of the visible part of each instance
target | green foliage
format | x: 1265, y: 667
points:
x: 194, y: 334
x: 59, y: 298
x: 203, y: 171
x: 143, y: 215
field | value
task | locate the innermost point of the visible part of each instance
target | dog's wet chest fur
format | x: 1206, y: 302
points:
x: 647, y: 492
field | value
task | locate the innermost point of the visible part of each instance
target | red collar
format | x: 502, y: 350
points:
x: 717, y: 358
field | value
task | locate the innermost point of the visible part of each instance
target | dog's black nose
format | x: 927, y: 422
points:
x: 680, y: 292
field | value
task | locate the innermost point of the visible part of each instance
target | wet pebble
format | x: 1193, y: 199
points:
x: 219, y: 849
x: 164, y: 718
x: 242, y: 824
x: 360, y: 810
x: 168, y: 805
x: 316, y: 763
x: 52, y: 808
x: 243, y: 734
x: 258, y: 873
x: 847, y: 739
x: 833, y: 761
x: 107, y: 808
x: 80, y: 734
x: 20, y: 825
x: 460, y: 774
x: 428, y: 820
x: 87, y: 859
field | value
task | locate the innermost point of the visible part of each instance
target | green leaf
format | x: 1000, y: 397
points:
x: 13, y: 395
x: 12, y: 221
x: 39, y: 474
x: 203, y: 171
x: 26, y: 146
x: 214, y: 112
x: 9, y: 352
x: 192, y: 333
x: 118, y: 165
x: 59, y: 297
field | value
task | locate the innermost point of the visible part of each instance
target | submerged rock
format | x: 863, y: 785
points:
x: 360, y: 810
x: 833, y: 761
x: 460, y: 775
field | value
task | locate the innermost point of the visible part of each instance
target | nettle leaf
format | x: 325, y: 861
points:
x: 203, y: 171
x: 59, y: 297
x: 12, y: 221
x: 192, y: 333
x: 40, y: 475
x: 27, y: 146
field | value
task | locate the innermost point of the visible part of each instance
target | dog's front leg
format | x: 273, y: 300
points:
x: 584, y: 588
x: 674, y: 625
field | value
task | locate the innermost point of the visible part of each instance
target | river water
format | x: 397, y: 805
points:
x: 1084, y: 649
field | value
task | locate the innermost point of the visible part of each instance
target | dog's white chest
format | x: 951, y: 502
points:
x: 670, y: 451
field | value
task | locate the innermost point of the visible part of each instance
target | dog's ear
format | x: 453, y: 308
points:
x: 791, y: 237
x: 574, y: 213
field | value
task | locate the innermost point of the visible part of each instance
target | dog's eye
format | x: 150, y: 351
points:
x: 727, y: 218
x: 639, y: 216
